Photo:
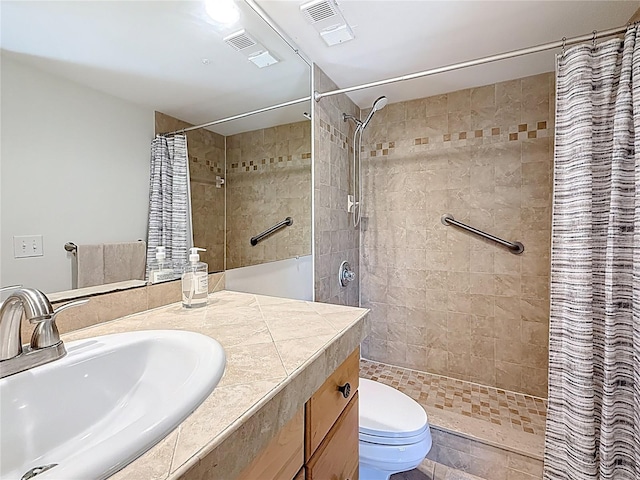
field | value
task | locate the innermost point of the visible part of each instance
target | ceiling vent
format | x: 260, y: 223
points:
x: 241, y: 41
x: 319, y: 10
x: 327, y: 19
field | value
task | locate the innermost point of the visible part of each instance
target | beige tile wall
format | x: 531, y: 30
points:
x: 335, y: 239
x: 206, y: 161
x: 477, y: 459
x: 268, y: 179
x: 111, y: 305
x: 443, y: 300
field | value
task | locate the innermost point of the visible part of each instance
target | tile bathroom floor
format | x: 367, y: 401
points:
x: 499, y: 407
x: 515, y: 420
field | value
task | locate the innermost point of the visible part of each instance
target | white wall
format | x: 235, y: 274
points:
x: 74, y: 167
x: 291, y: 278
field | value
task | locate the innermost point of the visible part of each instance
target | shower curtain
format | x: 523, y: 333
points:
x: 169, y: 206
x: 593, y: 424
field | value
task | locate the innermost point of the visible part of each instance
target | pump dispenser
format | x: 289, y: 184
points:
x: 195, y: 280
x: 161, y: 271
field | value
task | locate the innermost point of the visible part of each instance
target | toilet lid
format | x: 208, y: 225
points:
x: 387, y: 412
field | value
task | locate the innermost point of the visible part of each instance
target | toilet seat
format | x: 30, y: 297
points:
x: 409, y: 440
x: 389, y: 417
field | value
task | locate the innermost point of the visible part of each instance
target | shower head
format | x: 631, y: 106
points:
x: 379, y: 104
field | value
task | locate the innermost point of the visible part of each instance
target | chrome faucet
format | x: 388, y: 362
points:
x: 45, y: 345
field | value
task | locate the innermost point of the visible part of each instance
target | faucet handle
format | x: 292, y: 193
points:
x: 10, y: 287
x: 46, y: 332
x: 74, y: 303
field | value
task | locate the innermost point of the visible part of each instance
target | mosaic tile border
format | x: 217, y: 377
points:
x: 499, y: 407
x: 267, y: 163
x: 336, y: 136
x: 490, y: 135
x: 381, y: 149
x: 213, y: 166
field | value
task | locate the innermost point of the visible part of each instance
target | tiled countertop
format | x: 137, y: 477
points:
x: 279, y: 352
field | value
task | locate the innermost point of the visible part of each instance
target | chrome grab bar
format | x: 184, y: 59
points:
x: 285, y: 223
x: 514, y: 247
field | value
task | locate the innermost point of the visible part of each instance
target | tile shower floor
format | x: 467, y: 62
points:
x: 499, y: 407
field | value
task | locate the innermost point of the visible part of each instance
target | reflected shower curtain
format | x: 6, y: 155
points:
x: 593, y: 424
x: 169, y: 224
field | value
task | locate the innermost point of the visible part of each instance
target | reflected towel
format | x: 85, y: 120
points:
x: 90, y: 263
x: 124, y: 261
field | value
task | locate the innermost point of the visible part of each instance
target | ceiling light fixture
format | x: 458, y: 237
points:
x: 263, y: 59
x: 224, y: 12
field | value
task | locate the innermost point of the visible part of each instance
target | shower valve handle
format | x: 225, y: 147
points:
x: 346, y: 275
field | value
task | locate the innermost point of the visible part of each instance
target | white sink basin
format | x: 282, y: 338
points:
x: 105, y: 403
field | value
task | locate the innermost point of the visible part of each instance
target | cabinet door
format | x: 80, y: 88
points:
x: 337, y: 456
x: 326, y: 404
x: 283, y: 457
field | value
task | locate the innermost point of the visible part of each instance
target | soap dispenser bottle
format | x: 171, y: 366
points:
x: 195, y: 280
x: 160, y: 270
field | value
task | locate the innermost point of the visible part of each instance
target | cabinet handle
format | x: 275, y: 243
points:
x: 345, y: 390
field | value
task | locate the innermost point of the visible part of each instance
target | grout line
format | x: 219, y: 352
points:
x: 173, y: 451
x: 271, y: 335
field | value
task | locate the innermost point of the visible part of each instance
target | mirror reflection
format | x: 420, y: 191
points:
x: 267, y: 179
x: 79, y: 117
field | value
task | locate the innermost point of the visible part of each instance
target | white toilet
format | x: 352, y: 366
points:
x: 394, y: 431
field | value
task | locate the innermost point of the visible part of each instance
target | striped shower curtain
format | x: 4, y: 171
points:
x: 593, y: 424
x: 169, y: 206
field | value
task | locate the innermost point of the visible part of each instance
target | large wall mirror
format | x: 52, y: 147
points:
x: 87, y: 85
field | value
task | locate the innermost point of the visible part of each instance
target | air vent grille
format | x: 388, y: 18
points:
x: 328, y: 20
x: 240, y: 40
x: 317, y: 11
x: 251, y: 48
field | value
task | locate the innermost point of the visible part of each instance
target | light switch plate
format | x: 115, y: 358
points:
x: 27, y: 246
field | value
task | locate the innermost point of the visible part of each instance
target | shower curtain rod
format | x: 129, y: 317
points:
x: 456, y: 66
x: 268, y: 20
x: 479, y: 61
x: 237, y: 117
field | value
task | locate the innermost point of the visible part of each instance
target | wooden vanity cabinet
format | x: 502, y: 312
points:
x: 321, y: 441
x: 328, y: 402
x: 283, y: 456
x: 337, y: 455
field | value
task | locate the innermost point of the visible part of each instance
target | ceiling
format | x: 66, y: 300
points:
x: 395, y: 37
x: 151, y: 52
